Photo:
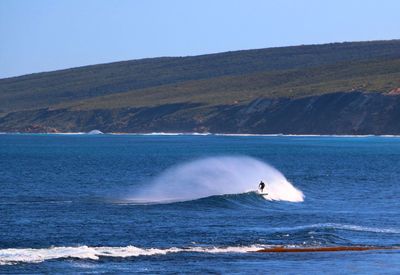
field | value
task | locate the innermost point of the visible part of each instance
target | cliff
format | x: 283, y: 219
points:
x: 334, y: 113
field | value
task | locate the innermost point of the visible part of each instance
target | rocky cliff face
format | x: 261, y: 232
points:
x: 336, y: 113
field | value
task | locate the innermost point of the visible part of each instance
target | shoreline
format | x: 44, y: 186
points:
x: 200, y: 134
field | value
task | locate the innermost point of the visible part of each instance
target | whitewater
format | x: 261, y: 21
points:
x: 31, y: 255
x: 217, y: 176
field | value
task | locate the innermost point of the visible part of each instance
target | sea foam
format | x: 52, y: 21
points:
x: 217, y: 176
x: 32, y: 255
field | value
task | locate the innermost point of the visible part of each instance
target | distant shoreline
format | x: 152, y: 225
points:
x: 198, y: 134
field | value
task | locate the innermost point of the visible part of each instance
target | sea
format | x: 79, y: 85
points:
x: 189, y: 204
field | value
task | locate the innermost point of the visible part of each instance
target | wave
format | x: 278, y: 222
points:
x: 32, y: 255
x: 250, y: 199
x: 250, y: 135
x: 216, y: 176
x: 348, y: 227
x: 165, y: 134
x: 334, y: 226
x: 11, y: 256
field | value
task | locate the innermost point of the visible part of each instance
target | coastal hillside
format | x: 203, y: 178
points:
x: 339, y: 88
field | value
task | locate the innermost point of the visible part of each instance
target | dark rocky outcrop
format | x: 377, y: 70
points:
x: 335, y: 113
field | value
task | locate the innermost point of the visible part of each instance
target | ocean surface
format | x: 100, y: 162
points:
x: 189, y: 204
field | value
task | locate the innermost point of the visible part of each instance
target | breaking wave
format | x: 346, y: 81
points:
x: 32, y: 255
x: 37, y: 255
x: 217, y: 176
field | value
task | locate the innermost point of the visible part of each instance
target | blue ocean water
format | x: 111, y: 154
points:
x: 104, y: 203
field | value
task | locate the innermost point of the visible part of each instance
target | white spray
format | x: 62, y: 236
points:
x: 217, y: 176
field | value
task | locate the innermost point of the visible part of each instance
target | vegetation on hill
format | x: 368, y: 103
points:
x: 375, y: 76
x: 67, y: 86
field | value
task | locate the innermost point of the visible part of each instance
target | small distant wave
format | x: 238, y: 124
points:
x: 235, y: 135
x: 69, y: 133
x: 250, y: 135
x: 165, y: 134
x: 339, y: 226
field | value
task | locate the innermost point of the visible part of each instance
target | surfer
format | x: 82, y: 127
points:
x: 261, y: 186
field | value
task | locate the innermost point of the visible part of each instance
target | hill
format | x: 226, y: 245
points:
x: 208, y: 92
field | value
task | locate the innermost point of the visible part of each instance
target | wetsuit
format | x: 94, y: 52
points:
x: 261, y: 186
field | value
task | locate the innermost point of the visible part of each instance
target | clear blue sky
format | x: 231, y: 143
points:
x: 45, y: 35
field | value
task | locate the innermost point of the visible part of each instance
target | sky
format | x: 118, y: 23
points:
x: 46, y: 35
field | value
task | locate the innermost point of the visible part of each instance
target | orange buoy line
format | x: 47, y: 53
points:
x: 282, y: 249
